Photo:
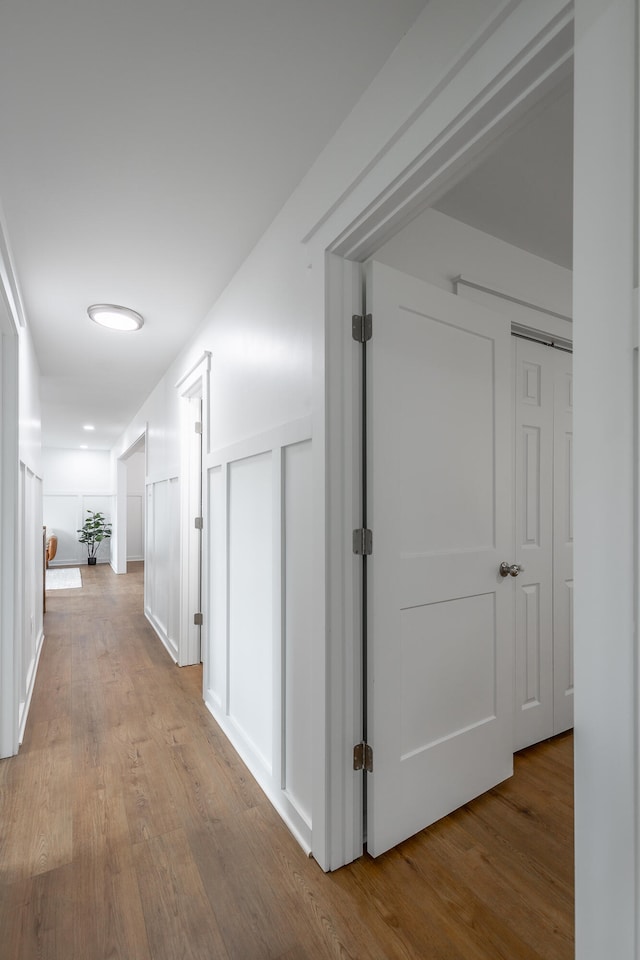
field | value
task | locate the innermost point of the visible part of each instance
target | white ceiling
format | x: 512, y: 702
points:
x: 133, y: 132
x: 522, y: 191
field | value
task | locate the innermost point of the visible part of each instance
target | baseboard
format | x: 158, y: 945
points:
x: 74, y: 563
x: 168, y: 644
x: 299, y: 828
x: 30, y: 685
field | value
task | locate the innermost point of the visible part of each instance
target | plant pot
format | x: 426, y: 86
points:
x: 91, y: 561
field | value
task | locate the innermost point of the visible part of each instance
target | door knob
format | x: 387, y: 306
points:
x: 510, y: 569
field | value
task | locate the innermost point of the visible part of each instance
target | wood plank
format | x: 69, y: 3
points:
x: 35, y: 814
x: 179, y: 918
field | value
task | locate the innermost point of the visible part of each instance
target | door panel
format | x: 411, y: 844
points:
x: 440, y: 617
x: 534, y: 439
x: 563, y: 545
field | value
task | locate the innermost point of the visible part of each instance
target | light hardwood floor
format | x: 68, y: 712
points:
x: 130, y: 830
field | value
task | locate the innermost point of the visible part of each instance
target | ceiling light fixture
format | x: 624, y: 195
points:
x: 115, y: 317
x: 88, y: 426
x: 83, y: 446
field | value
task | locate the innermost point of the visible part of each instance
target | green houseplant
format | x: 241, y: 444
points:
x: 94, y: 530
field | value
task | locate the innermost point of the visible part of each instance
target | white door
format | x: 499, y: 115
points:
x: 534, y: 368
x: 543, y: 541
x: 563, y: 545
x: 440, y: 616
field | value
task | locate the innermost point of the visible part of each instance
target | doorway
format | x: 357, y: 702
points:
x: 444, y: 244
x: 193, y: 392
x: 131, y: 478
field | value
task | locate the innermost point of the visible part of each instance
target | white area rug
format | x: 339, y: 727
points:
x: 64, y: 579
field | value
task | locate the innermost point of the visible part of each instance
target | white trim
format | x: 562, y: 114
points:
x: 297, y: 824
x: 167, y: 642
x: 24, y: 714
x: 343, y: 723
x: 9, y: 497
x: 278, y: 715
x: 75, y: 493
x: 193, y: 544
x: 9, y: 287
x: 201, y: 366
x: 283, y: 436
x: 159, y: 477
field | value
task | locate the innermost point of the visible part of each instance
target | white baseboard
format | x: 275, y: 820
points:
x: 24, y: 714
x: 169, y: 645
x: 300, y: 829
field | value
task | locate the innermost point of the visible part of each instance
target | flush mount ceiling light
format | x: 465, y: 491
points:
x: 115, y: 317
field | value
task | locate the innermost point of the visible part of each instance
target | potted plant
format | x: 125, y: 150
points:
x: 95, y: 529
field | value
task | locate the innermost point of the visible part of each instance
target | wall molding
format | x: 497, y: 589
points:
x: 282, y: 436
x: 169, y: 645
x: 33, y: 671
x: 286, y: 639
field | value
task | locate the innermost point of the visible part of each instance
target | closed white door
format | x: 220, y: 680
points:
x: 440, y: 615
x: 543, y: 542
x: 563, y: 544
x: 534, y: 440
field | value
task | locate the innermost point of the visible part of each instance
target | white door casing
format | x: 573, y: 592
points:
x: 193, y: 390
x: 440, y: 667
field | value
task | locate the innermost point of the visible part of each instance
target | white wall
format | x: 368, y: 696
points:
x: 30, y: 407
x: 75, y: 481
x: 437, y: 248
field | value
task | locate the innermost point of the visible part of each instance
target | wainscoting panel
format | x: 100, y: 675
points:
x: 257, y: 598
x: 250, y: 602
x: 298, y: 588
x: 216, y: 580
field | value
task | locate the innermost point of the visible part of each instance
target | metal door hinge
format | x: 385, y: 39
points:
x: 198, y: 523
x: 197, y: 619
x: 361, y: 327
x: 363, y: 757
x: 363, y: 542
x: 198, y: 426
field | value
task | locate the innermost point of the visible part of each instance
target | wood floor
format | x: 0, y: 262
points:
x: 130, y: 830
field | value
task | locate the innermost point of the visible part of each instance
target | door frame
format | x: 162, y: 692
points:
x: 119, y: 557
x: 193, y: 543
x: 10, y: 629
x: 521, y: 61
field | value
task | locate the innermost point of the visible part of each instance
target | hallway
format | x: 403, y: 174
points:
x: 130, y: 830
